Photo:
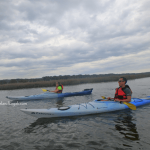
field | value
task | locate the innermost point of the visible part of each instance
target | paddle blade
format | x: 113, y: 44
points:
x: 131, y: 106
x: 103, y: 97
x: 44, y: 90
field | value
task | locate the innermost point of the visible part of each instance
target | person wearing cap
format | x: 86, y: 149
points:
x: 123, y: 92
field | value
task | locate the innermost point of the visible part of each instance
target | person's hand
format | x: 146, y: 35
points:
x: 108, y: 98
x: 116, y: 100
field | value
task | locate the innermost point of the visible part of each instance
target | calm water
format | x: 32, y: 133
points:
x: 117, y: 130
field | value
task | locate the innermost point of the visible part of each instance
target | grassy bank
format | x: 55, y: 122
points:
x: 114, y: 77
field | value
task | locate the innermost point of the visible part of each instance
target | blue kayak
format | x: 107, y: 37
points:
x: 48, y: 95
x: 93, y: 107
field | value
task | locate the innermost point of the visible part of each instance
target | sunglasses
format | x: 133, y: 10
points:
x: 121, y: 81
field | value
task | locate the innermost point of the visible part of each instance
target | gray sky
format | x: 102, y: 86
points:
x: 70, y: 37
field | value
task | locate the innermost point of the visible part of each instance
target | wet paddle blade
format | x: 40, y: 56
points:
x: 103, y: 97
x: 44, y: 90
x: 131, y: 106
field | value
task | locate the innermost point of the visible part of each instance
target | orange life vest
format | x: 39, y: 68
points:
x: 120, y: 94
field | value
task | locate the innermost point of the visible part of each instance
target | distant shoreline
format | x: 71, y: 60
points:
x: 72, y: 81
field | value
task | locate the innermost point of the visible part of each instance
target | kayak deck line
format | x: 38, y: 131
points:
x: 86, y: 105
x: 91, y: 104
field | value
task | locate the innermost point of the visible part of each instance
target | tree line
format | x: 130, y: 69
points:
x: 49, y: 81
x: 80, y: 76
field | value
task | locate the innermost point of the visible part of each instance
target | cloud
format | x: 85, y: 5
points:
x: 50, y: 37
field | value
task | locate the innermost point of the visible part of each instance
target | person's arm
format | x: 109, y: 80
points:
x: 55, y: 91
x: 125, y: 100
x: 109, y: 98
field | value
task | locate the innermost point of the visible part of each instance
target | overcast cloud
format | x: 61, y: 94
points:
x: 70, y: 37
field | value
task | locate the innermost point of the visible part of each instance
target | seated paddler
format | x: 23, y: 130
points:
x: 123, y: 92
x: 58, y: 88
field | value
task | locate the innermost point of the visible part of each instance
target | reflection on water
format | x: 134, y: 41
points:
x: 126, y: 126
x: 59, y: 101
x: 49, y: 123
x: 34, y: 125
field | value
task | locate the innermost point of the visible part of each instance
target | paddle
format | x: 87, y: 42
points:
x: 131, y: 106
x: 44, y: 90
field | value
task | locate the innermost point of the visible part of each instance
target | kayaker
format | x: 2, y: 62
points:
x: 123, y: 92
x: 60, y: 85
x: 58, y: 88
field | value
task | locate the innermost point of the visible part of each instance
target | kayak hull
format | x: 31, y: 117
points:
x: 94, y: 107
x: 48, y: 95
